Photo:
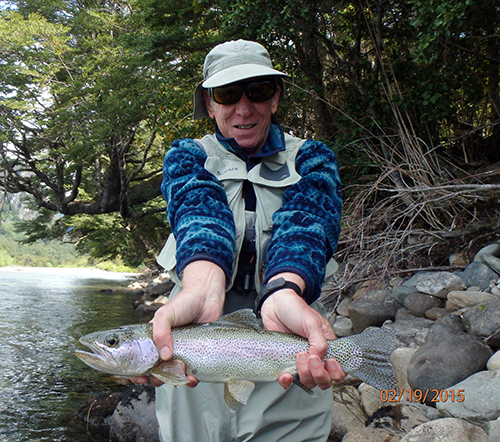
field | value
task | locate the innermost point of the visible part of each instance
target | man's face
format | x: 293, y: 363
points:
x: 246, y: 121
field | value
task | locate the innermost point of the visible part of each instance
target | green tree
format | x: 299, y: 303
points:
x: 93, y: 92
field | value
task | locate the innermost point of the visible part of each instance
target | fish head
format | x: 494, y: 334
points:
x: 126, y: 351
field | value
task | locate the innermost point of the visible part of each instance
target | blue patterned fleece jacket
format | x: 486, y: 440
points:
x: 305, y: 229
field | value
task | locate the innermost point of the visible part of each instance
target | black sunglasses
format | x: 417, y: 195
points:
x: 256, y: 91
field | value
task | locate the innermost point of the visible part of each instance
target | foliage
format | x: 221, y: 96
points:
x: 93, y: 93
x: 42, y: 253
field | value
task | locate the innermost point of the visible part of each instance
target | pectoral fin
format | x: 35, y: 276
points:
x: 171, y: 372
x: 237, y: 393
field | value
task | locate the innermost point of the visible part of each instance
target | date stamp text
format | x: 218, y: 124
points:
x: 431, y: 395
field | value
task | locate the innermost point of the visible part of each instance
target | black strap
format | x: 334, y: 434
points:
x: 272, y: 287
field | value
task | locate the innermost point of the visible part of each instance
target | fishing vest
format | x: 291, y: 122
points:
x: 269, y: 178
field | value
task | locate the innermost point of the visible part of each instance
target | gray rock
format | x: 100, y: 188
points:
x: 372, y: 308
x: 452, y: 321
x: 494, y: 362
x: 492, y: 428
x: 419, y: 303
x: 348, y: 414
x: 483, y: 320
x: 134, y: 418
x: 447, y: 357
x: 410, y: 330
x: 416, y: 278
x: 402, y: 416
x: 342, y: 327
x: 371, y: 435
x: 437, y: 313
x: 478, y: 274
x: 440, y: 284
x: 468, y: 298
x: 491, y: 249
x: 126, y: 416
x: 481, y: 403
x: 370, y: 399
x: 492, y: 262
x: 400, y: 360
x: 446, y: 430
x: 401, y: 292
x: 343, y: 307
x: 162, y: 288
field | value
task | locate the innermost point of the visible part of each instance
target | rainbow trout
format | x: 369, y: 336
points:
x: 235, y: 350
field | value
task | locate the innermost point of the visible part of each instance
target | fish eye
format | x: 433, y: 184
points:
x: 112, y: 341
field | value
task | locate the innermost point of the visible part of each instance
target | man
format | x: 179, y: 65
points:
x: 255, y: 218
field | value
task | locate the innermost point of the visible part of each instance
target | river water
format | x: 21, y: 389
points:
x: 43, y: 312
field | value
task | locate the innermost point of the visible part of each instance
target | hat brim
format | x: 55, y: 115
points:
x: 240, y: 72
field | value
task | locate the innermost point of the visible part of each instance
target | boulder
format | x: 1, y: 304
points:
x: 481, y: 398
x: 447, y: 357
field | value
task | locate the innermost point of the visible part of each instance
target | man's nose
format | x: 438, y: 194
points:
x: 244, y: 106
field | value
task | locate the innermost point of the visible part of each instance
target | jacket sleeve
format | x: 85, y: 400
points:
x: 306, y: 228
x: 197, y: 208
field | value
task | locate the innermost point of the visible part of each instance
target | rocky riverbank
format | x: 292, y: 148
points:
x: 447, y: 359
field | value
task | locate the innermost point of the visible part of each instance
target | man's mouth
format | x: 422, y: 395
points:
x: 247, y: 126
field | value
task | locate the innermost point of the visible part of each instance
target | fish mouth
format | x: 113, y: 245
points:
x: 100, y: 359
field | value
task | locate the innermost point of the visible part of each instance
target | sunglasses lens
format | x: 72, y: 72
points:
x: 258, y: 91
x: 229, y: 94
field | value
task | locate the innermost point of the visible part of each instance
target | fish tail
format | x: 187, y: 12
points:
x: 366, y: 356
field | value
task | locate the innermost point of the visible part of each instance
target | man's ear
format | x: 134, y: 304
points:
x: 208, y: 103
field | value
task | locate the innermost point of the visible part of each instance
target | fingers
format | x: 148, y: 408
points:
x: 285, y: 380
x: 162, y: 332
x: 335, y: 370
x: 312, y: 372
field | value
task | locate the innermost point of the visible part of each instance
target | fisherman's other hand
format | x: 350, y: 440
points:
x: 201, y: 300
x: 285, y: 311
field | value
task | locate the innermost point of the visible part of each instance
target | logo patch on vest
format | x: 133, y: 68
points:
x: 274, y: 175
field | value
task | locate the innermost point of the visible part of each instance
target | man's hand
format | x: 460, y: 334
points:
x: 201, y: 300
x: 285, y: 311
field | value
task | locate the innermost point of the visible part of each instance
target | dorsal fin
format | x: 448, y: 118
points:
x: 244, y: 318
